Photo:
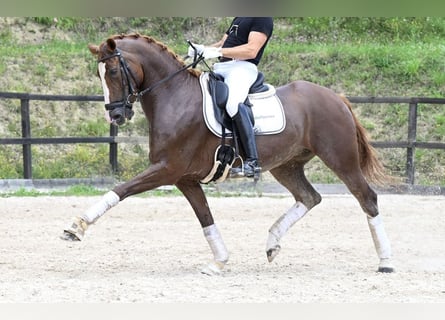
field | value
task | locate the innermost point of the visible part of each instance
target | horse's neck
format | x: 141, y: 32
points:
x: 174, y: 114
x: 171, y: 98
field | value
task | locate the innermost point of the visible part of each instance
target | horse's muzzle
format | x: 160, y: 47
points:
x: 117, y: 116
x: 120, y: 112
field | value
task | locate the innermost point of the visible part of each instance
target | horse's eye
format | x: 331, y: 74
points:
x: 113, y: 71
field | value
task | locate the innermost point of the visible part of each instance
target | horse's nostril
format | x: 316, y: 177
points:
x: 119, y: 120
x: 117, y: 116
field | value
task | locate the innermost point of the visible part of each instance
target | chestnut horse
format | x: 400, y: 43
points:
x: 319, y: 123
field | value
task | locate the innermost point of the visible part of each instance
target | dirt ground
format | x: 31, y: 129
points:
x: 150, y: 249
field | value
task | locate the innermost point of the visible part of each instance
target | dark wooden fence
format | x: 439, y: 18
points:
x: 411, y: 143
x: 26, y: 140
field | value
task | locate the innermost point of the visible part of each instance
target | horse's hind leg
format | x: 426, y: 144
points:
x: 367, y: 198
x: 291, y: 176
x: 348, y: 170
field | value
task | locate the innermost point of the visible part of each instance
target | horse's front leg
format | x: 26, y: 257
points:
x: 153, y: 177
x: 195, y: 195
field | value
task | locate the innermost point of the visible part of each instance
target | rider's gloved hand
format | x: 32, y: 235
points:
x: 199, y: 49
x: 206, y: 52
x: 211, y: 52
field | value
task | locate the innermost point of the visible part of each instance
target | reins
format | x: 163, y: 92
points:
x: 191, y: 65
x: 196, y: 59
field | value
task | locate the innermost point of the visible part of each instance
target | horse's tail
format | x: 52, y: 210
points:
x: 371, y: 166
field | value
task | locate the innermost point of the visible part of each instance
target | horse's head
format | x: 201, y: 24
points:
x: 118, y: 81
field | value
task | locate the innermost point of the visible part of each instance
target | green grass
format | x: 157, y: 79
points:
x: 87, y: 190
x: 76, y: 190
x: 70, y: 161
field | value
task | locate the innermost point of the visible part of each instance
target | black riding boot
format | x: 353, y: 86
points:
x: 245, y: 131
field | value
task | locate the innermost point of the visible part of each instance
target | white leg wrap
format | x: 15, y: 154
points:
x: 381, y: 241
x: 220, y: 254
x: 109, y: 200
x: 283, y: 224
x: 216, y: 243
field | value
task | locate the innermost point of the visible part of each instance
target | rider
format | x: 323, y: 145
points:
x: 239, y: 52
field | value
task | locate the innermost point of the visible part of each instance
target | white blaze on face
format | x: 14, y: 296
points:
x: 102, y: 70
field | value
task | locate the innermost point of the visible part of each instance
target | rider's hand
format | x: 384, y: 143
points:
x: 199, y: 49
x: 211, y: 52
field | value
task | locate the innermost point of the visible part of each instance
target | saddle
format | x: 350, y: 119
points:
x: 219, y: 91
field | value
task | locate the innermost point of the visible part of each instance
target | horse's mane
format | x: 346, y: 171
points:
x: 162, y: 46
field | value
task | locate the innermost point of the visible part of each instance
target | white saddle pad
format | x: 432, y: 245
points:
x: 267, y: 110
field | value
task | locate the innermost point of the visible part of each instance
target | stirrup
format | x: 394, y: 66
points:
x: 253, y: 171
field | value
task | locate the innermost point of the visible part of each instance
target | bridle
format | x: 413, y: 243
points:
x: 124, y: 109
x: 125, y: 106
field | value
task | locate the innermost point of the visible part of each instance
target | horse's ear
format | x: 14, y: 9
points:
x: 93, y: 49
x: 111, y: 44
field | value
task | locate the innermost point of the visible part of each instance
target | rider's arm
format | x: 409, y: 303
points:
x: 220, y: 42
x: 246, y: 51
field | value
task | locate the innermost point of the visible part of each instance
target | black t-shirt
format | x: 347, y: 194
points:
x: 238, y: 32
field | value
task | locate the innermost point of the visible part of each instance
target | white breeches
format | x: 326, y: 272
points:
x: 239, y: 76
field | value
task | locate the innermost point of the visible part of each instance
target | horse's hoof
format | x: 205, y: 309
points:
x: 272, y: 253
x: 75, y: 231
x: 214, y: 268
x: 68, y: 236
x: 385, y: 266
x: 385, y: 269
